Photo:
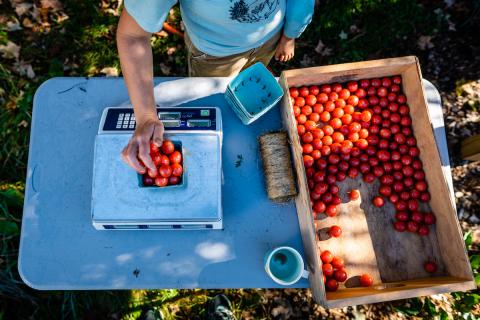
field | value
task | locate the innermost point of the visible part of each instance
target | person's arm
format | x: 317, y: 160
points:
x: 298, y: 15
x: 135, y: 54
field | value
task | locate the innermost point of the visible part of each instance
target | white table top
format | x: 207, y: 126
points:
x: 60, y: 249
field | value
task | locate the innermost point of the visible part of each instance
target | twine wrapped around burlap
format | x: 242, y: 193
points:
x: 277, y: 166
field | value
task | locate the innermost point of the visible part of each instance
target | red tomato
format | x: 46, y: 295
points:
x: 352, y: 86
x: 335, y: 231
x: 311, y: 100
x: 400, y: 226
x: 335, y: 123
x: 319, y: 207
x: 327, y: 269
x: 325, y: 116
x: 165, y: 171
x: 338, y: 262
x: 173, y: 180
x: 364, y: 83
x: 154, y: 148
x: 344, y: 94
x: 423, y: 230
x: 303, y: 91
x: 307, y: 148
x: 151, y: 174
x: 157, y: 159
x: 313, y: 90
x: 366, y: 280
x: 354, y: 195
x: 296, y: 111
x: 329, y: 106
x: 331, y: 210
x: 315, y: 117
x: 397, y: 79
x: 147, y: 181
x: 300, y: 101
x: 306, y: 110
x: 294, y: 92
x: 161, y: 181
x: 378, y: 202
x: 430, y: 267
x: 176, y: 157
x: 429, y: 218
x: 301, y: 129
x: 168, y: 147
x: 331, y: 285
x: 326, y: 256
x: 301, y: 119
x: 176, y: 169
x: 340, y: 275
x: 322, y: 98
x: 310, y: 125
x: 308, y: 161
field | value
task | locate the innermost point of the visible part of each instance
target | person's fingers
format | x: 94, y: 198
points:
x: 144, y: 155
x: 277, y: 55
x: 158, y: 135
x: 129, y: 155
x: 282, y: 58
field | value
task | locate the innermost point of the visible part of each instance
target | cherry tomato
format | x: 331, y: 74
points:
x: 168, y: 147
x: 177, y: 169
x: 335, y: 231
x: 326, y: 256
x: 319, y: 207
x: 161, y: 181
x: 326, y: 88
x: 303, y: 91
x: 165, y: 171
x: 153, y: 148
x: 340, y: 275
x: 314, y: 90
x: 311, y: 100
x: 147, y: 181
x: 366, y: 280
x: 352, y: 86
x: 294, y: 92
x: 151, y: 174
x: 157, y: 159
x: 400, y: 226
x: 308, y: 161
x: 423, y: 230
x: 338, y: 262
x: 325, y: 116
x: 175, y: 157
x: 331, y: 285
x: 430, y: 267
x: 300, y: 101
x: 429, y: 218
x: 327, y: 269
x: 173, y: 180
x: 354, y: 195
x: 344, y: 94
x: 331, y: 210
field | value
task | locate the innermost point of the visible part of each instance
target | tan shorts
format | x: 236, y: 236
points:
x: 201, y: 64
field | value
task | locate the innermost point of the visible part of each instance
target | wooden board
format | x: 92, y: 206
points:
x: 369, y: 243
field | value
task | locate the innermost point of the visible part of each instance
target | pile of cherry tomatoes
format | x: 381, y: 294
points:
x: 169, y: 165
x: 362, y: 127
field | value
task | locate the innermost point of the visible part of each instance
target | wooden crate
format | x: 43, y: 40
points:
x: 369, y: 243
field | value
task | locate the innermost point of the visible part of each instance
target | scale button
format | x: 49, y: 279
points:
x: 125, y: 126
x: 127, y: 116
x: 131, y: 126
x: 132, y: 121
x: 118, y: 126
x: 120, y: 115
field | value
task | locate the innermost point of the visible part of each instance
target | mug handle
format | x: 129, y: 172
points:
x: 305, y: 274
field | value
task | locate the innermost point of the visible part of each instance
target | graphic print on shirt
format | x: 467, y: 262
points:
x: 250, y: 11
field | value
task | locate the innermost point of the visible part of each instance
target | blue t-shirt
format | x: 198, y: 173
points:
x: 225, y: 27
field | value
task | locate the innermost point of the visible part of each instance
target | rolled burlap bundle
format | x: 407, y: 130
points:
x: 277, y: 166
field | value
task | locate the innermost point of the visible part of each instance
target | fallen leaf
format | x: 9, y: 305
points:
x: 10, y: 50
x: 425, y: 42
x: 25, y: 69
x: 54, y: 5
x: 171, y: 50
x: 343, y: 35
x: 322, y: 49
x: 13, y: 25
x: 23, y: 123
x: 165, y: 69
x: 20, y: 7
x: 110, y: 71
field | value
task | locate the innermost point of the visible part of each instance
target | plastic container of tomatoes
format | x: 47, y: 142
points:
x: 182, y: 182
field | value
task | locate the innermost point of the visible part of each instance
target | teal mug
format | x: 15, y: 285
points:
x: 284, y: 265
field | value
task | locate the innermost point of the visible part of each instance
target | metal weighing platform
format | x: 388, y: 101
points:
x: 120, y: 201
x: 61, y: 250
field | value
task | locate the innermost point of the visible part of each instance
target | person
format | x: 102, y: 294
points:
x: 222, y: 38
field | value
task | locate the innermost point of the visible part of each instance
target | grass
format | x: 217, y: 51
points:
x: 78, y: 39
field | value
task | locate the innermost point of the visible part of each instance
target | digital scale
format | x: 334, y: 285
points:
x: 119, y: 199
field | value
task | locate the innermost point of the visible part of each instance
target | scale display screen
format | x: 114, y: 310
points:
x: 171, y: 123
x: 169, y: 115
x: 198, y: 123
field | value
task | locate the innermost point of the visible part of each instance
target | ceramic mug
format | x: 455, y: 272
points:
x: 285, y: 265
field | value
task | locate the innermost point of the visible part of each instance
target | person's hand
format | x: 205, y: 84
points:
x: 285, y: 49
x: 138, y: 148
